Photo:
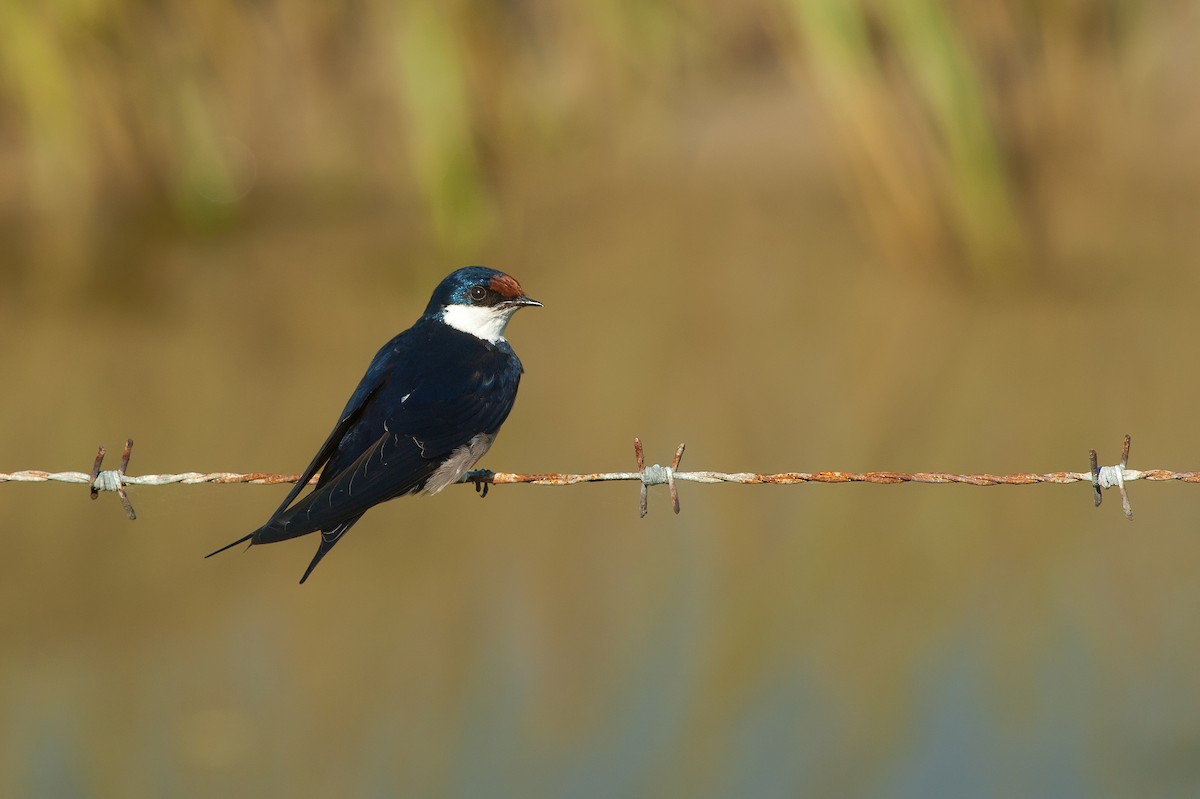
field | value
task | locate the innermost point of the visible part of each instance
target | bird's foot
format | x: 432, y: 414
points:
x: 482, y: 478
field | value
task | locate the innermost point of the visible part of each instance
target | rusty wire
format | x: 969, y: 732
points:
x: 1100, y: 477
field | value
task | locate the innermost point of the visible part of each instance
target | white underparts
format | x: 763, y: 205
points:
x: 487, y: 323
x: 459, y: 463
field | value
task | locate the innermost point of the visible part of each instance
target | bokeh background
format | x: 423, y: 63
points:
x: 795, y: 234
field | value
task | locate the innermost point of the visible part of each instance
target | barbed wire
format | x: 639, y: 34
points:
x: 1100, y: 477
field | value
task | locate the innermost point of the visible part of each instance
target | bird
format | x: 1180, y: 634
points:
x: 428, y: 408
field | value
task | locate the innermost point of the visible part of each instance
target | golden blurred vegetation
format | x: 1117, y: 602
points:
x: 119, y: 115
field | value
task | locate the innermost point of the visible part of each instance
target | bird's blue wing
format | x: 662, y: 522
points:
x: 447, y: 408
x: 381, y: 365
x: 390, y: 467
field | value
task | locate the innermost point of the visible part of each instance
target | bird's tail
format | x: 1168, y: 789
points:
x: 280, y: 528
x: 328, y: 539
x: 241, y: 540
x: 321, y: 550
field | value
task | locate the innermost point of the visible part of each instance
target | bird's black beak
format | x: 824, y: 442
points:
x: 522, y: 301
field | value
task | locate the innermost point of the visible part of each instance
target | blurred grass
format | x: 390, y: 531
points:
x: 948, y: 113
x: 936, y: 174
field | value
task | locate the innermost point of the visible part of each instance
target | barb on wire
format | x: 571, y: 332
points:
x: 1109, y: 476
x: 1099, y: 477
x: 113, y: 480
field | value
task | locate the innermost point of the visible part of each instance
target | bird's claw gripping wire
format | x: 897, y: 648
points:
x: 481, y: 479
x: 113, y: 479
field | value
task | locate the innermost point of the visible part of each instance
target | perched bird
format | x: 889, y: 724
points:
x: 425, y: 412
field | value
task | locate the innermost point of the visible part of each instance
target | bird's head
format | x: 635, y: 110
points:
x: 479, y: 301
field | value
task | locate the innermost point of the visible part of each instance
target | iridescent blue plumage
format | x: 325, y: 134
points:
x: 428, y: 407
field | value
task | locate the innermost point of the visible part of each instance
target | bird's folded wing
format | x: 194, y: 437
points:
x: 390, y: 467
x: 383, y: 362
x: 327, y: 449
x: 444, y: 417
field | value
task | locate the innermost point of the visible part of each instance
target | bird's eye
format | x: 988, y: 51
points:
x: 477, y: 293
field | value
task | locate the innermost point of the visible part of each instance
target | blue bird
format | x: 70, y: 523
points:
x: 425, y: 412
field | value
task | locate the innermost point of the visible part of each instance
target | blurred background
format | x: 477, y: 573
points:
x: 795, y: 234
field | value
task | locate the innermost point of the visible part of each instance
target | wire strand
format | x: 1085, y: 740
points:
x: 1101, y: 477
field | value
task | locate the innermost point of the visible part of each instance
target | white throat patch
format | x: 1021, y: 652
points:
x: 481, y: 322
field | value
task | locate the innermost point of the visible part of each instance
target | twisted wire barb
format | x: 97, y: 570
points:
x: 1100, y: 477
